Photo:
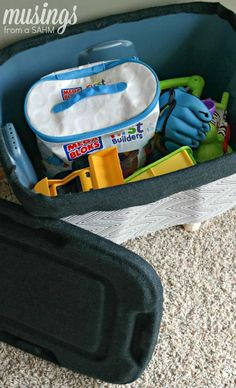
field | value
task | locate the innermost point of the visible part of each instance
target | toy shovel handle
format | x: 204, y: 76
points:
x: 196, y: 83
x: 97, y: 90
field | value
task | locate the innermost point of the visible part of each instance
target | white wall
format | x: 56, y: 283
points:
x: 86, y: 10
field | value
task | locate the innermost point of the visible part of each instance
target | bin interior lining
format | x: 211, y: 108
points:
x: 188, y: 44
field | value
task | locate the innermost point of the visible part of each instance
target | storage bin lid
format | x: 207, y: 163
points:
x: 74, y: 298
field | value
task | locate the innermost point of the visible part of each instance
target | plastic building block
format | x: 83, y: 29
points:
x: 104, y: 171
x: 177, y: 160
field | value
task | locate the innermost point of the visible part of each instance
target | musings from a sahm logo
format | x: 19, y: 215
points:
x: 40, y: 19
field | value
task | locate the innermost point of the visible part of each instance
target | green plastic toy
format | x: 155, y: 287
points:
x: 176, y: 160
x: 195, y: 83
x: 223, y: 105
x: 213, y: 146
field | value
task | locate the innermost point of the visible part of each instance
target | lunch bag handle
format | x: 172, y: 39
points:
x: 96, y: 90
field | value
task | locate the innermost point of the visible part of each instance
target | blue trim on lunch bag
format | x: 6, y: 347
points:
x: 102, y: 131
x: 97, y: 90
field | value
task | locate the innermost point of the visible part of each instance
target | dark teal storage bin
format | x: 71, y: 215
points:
x: 176, y: 40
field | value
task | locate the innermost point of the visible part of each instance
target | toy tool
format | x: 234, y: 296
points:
x: 50, y: 187
x: 104, y: 171
x: 212, y: 147
x: 105, y: 168
x: 195, y: 83
x: 224, y: 102
x: 177, y: 160
x: 216, y: 143
x: 18, y: 158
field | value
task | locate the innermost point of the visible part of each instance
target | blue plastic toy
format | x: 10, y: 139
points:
x: 18, y: 158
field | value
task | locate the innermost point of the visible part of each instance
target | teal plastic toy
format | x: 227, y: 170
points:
x: 214, y: 144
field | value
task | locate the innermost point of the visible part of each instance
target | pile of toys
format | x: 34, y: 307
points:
x: 188, y: 131
x: 173, y: 129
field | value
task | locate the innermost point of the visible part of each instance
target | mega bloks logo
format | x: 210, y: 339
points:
x: 67, y: 93
x: 81, y: 148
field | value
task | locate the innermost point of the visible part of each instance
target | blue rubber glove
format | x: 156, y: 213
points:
x: 184, y: 120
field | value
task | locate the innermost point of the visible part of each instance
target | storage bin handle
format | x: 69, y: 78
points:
x: 96, y: 90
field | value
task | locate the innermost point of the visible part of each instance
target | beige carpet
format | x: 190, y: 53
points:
x: 197, y: 340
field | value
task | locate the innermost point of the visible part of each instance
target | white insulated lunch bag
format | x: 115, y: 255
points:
x: 78, y: 111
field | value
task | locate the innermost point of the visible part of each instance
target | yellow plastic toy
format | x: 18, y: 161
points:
x: 177, y: 160
x: 104, y: 171
x: 105, y: 168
